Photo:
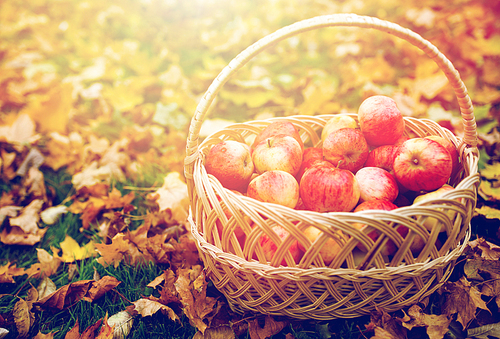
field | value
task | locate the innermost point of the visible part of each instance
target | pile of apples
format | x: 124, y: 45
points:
x: 368, y: 164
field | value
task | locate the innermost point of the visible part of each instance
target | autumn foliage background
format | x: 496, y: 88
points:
x: 96, y: 99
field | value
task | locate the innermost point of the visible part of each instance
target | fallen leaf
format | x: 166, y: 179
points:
x: 484, y: 332
x: 436, y: 325
x: 113, y: 253
x: 22, y: 318
x: 146, y: 307
x: 122, y: 323
x: 173, y: 195
x: 100, y: 287
x: 66, y: 295
x: 90, y: 332
x: 486, y: 249
x: 271, y: 327
x: 74, y: 332
x: 463, y: 299
x: 384, y: 324
x: 45, y: 288
x: 41, y: 335
x: 21, y: 131
x: 9, y: 271
x: 52, y: 214
x: 29, y: 217
x: 197, y: 306
x: 220, y: 332
x: 71, y: 251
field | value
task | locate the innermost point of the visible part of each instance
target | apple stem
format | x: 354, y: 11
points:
x: 338, y: 164
x: 269, y: 142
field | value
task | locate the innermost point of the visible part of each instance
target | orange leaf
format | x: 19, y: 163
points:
x: 8, y: 271
x: 113, y: 253
x: 100, y: 287
x: 74, y: 333
x: 40, y: 335
x: 271, y: 327
x: 437, y: 325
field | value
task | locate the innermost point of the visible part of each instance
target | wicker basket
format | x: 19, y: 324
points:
x: 353, y: 284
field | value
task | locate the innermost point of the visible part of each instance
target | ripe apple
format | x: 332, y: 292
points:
x: 380, y: 120
x: 422, y: 164
x: 278, y: 187
x: 231, y: 163
x: 308, y: 164
x: 277, y: 128
x: 269, y: 247
x: 338, y: 122
x: 376, y: 183
x: 325, y: 188
x: 383, y: 157
x: 310, y: 156
x: 451, y: 149
x: 430, y: 222
x: 280, y: 152
x: 346, y: 148
x: 330, y: 248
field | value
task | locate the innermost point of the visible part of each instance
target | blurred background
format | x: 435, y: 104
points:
x: 137, y: 68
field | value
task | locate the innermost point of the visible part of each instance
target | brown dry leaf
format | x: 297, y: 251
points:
x: 484, y: 332
x: 90, y: 332
x: 9, y: 271
x: 491, y: 287
x: 22, y: 318
x: 463, y: 299
x: 146, y: 307
x: 116, y: 200
x: 186, y: 253
x: 100, y: 287
x: 487, y: 250
x: 271, y: 327
x: 66, y: 295
x: 381, y: 333
x: 386, y: 324
x: 196, y: 305
x: 74, y: 333
x: 41, y: 335
x: 173, y: 195
x: 8, y: 211
x: 221, y: 332
x: 437, y: 325
x: 16, y: 236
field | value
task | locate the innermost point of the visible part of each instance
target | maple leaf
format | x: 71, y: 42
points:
x: 9, y: 271
x: 385, y: 326
x: 436, y: 325
x: 463, y: 299
x: 146, y: 307
x: 491, y: 287
x: 220, y: 332
x: 196, y: 305
x: 71, y: 251
x: 114, y: 252
x: 486, y: 249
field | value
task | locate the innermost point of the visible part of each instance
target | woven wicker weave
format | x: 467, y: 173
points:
x: 354, y: 283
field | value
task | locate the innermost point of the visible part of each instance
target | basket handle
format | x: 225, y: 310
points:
x: 464, y: 101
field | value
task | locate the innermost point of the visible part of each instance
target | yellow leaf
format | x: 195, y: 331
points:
x: 51, y: 111
x: 489, y: 212
x: 488, y: 192
x: 22, y: 130
x: 71, y: 251
x: 491, y: 171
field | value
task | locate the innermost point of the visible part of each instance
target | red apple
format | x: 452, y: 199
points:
x: 280, y: 152
x: 325, y: 188
x: 422, y: 164
x: 311, y: 153
x: 278, y: 187
x: 346, y: 148
x: 376, y: 183
x: 269, y: 247
x: 450, y: 148
x: 330, y: 247
x: 277, y: 128
x: 380, y: 120
x: 338, y: 122
x: 231, y: 163
x: 383, y: 157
